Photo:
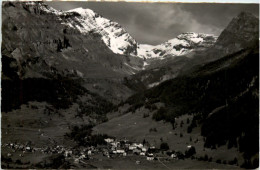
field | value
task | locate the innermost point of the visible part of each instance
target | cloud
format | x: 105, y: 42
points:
x: 154, y: 23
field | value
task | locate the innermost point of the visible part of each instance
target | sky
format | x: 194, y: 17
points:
x: 155, y: 23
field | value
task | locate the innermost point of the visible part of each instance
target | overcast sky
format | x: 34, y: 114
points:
x: 154, y: 23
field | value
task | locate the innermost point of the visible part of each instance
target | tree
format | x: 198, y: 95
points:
x: 189, y: 129
x: 160, y: 114
x: 164, y: 146
x: 66, y: 42
x: 181, y: 123
x: 218, y: 161
x: 190, y: 152
x: 144, y: 141
x: 59, y: 46
x: 206, y: 158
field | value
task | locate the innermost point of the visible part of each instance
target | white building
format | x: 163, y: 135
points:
x: 109, y: 140
x: 150, y: 158
x: 173, y: 155
x: 144, y: 149
x: 132, y: 147
x: 120, y: 151
x: 142, y: 154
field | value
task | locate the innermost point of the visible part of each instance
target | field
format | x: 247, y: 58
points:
x: 129, y: 162
x: 31, y: 125
x: 135, y: 127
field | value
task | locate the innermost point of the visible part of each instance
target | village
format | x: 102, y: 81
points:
x: 112, y: 150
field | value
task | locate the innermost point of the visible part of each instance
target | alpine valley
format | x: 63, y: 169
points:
x: 78, y: 91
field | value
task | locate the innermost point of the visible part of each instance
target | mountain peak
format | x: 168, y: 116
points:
x: 245, y: 14
x: 244, y: 21
x: 85, y: 12
x: 241, y: 31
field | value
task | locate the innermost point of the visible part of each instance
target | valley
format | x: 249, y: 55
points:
x: 79, y: 92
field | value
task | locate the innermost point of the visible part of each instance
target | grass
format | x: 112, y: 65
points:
x: 136, y: 128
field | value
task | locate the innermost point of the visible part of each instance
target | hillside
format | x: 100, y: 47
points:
x: 223, y: 91
x: 79, y: 92
x: 85, y: 45
x: 241, y: 33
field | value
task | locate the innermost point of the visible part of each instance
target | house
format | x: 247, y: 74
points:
x: 144, y: 149
x: 113, y: 148
x: 82, y: 157
x: 142, y: 154
x: 174, y: 156
x: 120, y: 151
x: 132, y: 148
x: 28, y: 148
x: 137, y: 151
x: 89, y: 152
x: 139, y: 145
x: 68, y: 153
x: 109, y: 140
x: 150, y: 154
x: 152, y: 149
x: 115, y: 144
x: 149, y: 158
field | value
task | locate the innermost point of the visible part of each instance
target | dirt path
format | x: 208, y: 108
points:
x: 163, y: 163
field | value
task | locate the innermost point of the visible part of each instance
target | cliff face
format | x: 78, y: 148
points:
x: 33, y: 30
x: 240, y: 33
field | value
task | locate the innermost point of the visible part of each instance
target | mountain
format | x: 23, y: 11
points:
x: 240, y: 33
x: 222, y: 97
x: 120, y: 42
x: 64, y: 72
x: 183, y: 44
x: 43, y: 52
x: 99, y: 51
x: 113, y: 35
x: 84, y: 44
x: 221, y: 94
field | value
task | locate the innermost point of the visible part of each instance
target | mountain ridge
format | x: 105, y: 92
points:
x: 121, y: 42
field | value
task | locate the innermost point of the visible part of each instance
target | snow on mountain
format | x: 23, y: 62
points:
x: 113, y: 35
x: 121, y: 42
x: 183, y: 44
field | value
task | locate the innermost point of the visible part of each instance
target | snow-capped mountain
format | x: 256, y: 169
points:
x: 181, y: 45
x: 121, y: 42
x: 113, y: 34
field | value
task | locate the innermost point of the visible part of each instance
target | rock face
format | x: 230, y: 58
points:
x: 39, y: 43
x: 113, y: 34
x: 63, y: 40
x: 241, y: 32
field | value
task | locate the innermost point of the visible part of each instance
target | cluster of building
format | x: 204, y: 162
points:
x: 124, y: 148
x: 113, y: 148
